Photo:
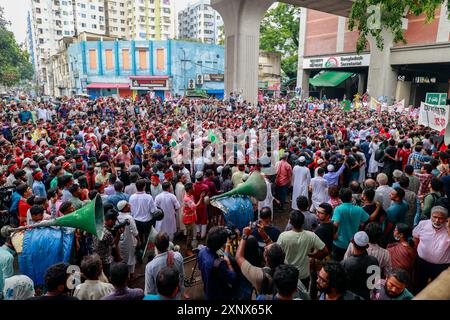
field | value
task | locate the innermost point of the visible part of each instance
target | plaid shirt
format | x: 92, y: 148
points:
x: 416, y: 159
x: 425, y: 179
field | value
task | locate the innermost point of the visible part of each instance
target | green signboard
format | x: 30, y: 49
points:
x: 437, y: 99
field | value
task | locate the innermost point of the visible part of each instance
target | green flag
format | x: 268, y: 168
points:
x: 346, y: 104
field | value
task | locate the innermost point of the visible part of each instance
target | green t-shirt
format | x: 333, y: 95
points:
x: 349, y: 218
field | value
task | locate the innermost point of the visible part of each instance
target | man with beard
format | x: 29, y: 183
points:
x: 433, y: 246
x: 332, y: 282
x: 393, y: 288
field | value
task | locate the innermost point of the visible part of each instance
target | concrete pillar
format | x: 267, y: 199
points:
x: 361, y: 82
x: 382, y: 80
x: 403, y: 91
x: 242, y: 19
x: 302, y: 74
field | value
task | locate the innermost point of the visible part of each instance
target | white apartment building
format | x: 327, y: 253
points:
x: 116, y: 15
x: 151, y: 19
x: 200, y: 21
x: 89, y: 16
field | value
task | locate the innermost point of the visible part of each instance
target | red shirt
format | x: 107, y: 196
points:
x: 200, y: 187
x: 404, y: 154
x: 189, y: 215
x: 23, y: 209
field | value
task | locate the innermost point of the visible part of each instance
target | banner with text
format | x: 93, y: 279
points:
x: 435, y: 117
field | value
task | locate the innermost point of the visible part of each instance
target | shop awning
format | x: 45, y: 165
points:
x: 329, y: 78
x: 108, y: 86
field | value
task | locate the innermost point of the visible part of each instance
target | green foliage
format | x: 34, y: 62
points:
x: 14, y: 62
x: 392, y: 12
x: 279, y: 33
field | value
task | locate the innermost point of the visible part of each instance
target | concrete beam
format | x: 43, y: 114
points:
x: 420, y: 54
x: 338, y: 7
x: 242, y: 19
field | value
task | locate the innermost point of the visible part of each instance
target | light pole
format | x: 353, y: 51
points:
x: 184, y: 69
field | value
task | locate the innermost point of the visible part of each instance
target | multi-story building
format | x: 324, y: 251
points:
x: 107, y: 66
x: 329, y: 64
x: 116, y: 18
x: 51, y: 20
x: 151, y: 19
x: 269, y: 75
x: 200, y: 21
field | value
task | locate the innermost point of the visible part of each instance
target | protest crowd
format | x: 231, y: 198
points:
x: 362, y: 194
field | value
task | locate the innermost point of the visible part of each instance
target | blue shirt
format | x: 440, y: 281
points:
x: 138, y: 150
x: 214, y: 289
x: 349, y: 218
x: 155, y: 297
x: 332, y: 178
x: 39, y: 189
x: 15, y: 198
x: 116, y: 197
x: 396, y: 213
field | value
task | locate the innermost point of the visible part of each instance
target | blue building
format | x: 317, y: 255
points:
x: 130, y: 68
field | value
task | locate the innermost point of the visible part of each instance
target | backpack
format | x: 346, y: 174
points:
x: 379, y: 154
x: 228, y: 288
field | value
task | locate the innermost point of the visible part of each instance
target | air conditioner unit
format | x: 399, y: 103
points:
x: 191, y: 84
x: 199, y: 79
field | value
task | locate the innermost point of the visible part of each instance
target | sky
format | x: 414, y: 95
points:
x: 16, y: 13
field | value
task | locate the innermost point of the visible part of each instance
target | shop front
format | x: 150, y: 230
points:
x: 157, y: 86
x: 108, y: 89
x: 336, y: 76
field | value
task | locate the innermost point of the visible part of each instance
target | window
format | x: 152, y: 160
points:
x: 160, y: 58
x: 39, y: 20
x: 122, y: 21
x: 126, y: 59
x: 67, y: 33
x: 92, y: 59
x: 38, y: 10
x: 83, y: 25
x: 66, y: 23
x: 122, y: 4
x: 41, y: 41
x: 142, y: 59
x: 122, y: 13
x: 109, y: 59
x: 83, y: 15
x: 102, y: 18
x: 83, y: 5
x: 59, y: 33
x: 93, y: 16
x: 92, y: 7
x: 40, y: 31
x: 122, y: 29
x: 100, y: 9
x: 94, y: 26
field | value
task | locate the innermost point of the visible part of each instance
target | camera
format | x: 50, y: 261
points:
x: 231, y: 232
x: 118, y: 226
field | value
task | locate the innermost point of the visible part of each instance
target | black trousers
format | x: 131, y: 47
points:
x: 428, y: 271
x: 144, y: 229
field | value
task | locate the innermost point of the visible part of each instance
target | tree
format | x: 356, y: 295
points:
x: 369, y: 17
x: 14, y: 62
x: 279, y: 32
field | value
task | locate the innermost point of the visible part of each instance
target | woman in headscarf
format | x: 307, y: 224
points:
x: 18, y: 287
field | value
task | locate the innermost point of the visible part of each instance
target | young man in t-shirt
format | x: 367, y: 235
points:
x: 189, y: 214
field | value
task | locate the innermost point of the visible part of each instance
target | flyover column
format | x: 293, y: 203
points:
x: 302, y: 74
x: 242, y: 20
x: 382, y: 79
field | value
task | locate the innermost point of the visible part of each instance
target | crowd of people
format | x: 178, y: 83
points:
x: 362, y: 195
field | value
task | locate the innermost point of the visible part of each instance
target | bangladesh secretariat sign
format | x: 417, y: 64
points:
x: 436, y: 99
x: 330, y: 62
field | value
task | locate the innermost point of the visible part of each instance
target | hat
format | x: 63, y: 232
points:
x: 302, y: 159
x: 48, y: 166
x: 199, y: 175
x: 219, y: 169
x: 330, y: 168
x: 121, y: 204
x: 320, y: 161
x: 361, y: 239
x: 397, y: 173
x: 25, y: 162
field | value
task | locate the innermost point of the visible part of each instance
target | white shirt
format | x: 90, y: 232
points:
x: 169, y: 204
x: 142, y: 206
x: 319, y: 191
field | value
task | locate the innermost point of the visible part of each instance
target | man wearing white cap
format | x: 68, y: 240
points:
x: 332, y: 177
x: 301, y: 178
x: 319, y: 190
x: 129, y: 238
x: 360, y: 266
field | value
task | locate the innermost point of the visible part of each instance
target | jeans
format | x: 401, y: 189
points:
x: 338, y: 253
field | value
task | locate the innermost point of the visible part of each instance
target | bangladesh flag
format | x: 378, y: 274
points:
x: 346, y: 104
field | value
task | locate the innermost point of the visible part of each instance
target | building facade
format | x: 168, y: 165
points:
x: 200, y: 21
x: 130, y: 68
x: 51, y: 20
x: 151, y: 19
x: 408, y: 71
x: 269, y: 75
